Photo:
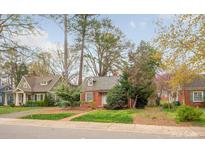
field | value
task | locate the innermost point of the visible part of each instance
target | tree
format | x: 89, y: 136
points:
x: 140, y: 73
x: 14, y: 65
x: 107, y: 48
x: 82, y: 25
x: 13, y: 54
x: 183, y: 45
x: 63, y: 22
x: 41, y: 64
x: 12, y: 26
x: 69, y: 96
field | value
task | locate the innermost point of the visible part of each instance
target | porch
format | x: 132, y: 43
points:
x: 20, y: 97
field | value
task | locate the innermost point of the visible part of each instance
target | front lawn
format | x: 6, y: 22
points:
x: 57, y: 116
x: 109, y: 116
x: 8, y: 109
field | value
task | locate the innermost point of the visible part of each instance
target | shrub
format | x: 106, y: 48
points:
x: 65, y: 103
x: 168, y: 105
x: 12, y: 105
x: 69, y: 96
x: 116, y: 98
x: 31, y: 103
x: 49, y: 99
x: 187, y: 113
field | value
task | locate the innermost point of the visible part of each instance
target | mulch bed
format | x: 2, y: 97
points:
x: 153, y: 116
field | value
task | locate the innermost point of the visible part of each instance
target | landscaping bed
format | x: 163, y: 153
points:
x: 8, y: 109
x: 157, y: 116
x: 57, y: 116
x: 172, y: 114
x: 109, y: 116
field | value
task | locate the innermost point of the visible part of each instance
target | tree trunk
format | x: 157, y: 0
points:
x: 65, y: 48
x: 81, y: 59
x: 135, y: 102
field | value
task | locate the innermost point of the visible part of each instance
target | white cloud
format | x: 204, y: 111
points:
x: 132, y: 24
x: 140, y: 24
x: 39, y: 40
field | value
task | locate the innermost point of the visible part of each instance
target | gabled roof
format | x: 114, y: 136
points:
x: 34, y: 83
x: 100, y: 83
x: 198, y: 83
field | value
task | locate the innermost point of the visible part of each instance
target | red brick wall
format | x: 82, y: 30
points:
x: 97, y: 98
x: 188, y: 102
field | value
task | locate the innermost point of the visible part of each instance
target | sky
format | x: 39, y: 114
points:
x: 136, y: 27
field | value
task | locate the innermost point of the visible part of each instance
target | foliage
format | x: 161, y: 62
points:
x: 109, y: 116
x: 57, y: 116
x: 108, y: 48
x: 117, y: 98
x: 187, y: 113
x: 31, y: 103
x: 82, y: 25
x: 182, y: 44
x: 12, y: 105
x: 69, y: 96
x: 168, y: 105
x: 50, y: 100
x: 41, y: 64
x: 140, y: 73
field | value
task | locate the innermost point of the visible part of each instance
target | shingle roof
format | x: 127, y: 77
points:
x: 100, y: 83
x: 35, y: 83
x: 197, y: 84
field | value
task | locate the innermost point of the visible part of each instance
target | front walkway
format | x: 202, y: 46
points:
x: 175, y: 132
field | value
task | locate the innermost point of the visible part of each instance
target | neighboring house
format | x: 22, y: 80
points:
x: 95, y: 89
x: 34, y: 88
x: 6, y: 91
x: 193, y: 94
x: 5, y: 88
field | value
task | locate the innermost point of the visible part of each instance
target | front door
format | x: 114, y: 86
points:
x: 104, y: 98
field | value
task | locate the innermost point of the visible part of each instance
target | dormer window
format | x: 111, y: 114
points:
x: 90, y: 82
x: 43, y: 83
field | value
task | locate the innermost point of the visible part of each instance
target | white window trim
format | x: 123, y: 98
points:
x: 43, y: 83
x: 202, y: 96
x: 90, y: 82
x: 86, y: 94
x: 38, y: 96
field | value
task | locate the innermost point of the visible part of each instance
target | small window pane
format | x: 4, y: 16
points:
x: 198, y: 96
x: 89, y: 97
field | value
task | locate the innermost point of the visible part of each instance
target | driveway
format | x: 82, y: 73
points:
x: 25, y: 113
x: 21, y: 128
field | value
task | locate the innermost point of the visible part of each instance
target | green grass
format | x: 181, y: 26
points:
x: 109, y: 116
x: 57, y: 116
x: 7, y: 109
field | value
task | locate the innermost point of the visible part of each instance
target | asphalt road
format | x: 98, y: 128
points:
x: 33, y: 132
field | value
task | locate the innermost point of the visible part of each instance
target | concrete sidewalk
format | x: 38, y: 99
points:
x: 182, y: 132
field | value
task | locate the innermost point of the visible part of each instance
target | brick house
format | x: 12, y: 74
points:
x: 95, y: 89
x: 193, y: 94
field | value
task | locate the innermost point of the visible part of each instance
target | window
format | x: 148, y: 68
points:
x: 89, y: 96
x: 43, y: 83
x: 90, y: 82
x: 38, y: 97
x: 198, y: 96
